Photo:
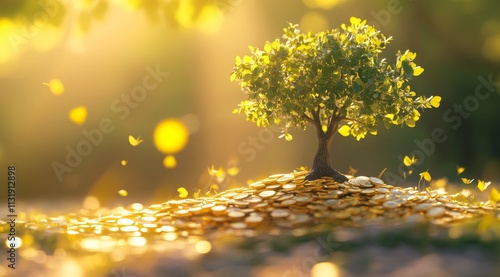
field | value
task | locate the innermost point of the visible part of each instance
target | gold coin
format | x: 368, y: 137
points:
x: 236, y: 214
x: 285, y: 178
x: 257, y: 185
x: 302, y: 199
x: 241, y: 196
x: 182, y: 213
x: 422, y: 207
x: 288, y: 202
x: 341, y: 215
x: 238, y: 225
x: 435, y: 212
x: 376, y: 181
x: 382, y: 190
x: 288, y: 187
x: 219, y: 209
x: 254, y: 199
x: 241, y: 203
x: 267, y: 193
x: 390, y: 204
x: 285, y: 197
x: 125, y: 221
x: 368, y: 191
x: 254, y: 219
x: 279, y: 213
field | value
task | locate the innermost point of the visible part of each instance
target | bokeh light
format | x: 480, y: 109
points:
x: 55, y: 86
x: 170, y: 161
x: 123, y: 192
x: 78, y: 115
x: 16, y: 241
x: 202, y: 246
x: 325, y: 269
x: 170, y: 136
x: 91, y: 203
x: 491, y: 48
x: 6, y: 47
x: 322, y: 4
x: 313, y: 22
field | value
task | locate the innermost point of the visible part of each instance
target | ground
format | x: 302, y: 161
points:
x: 279, y: 226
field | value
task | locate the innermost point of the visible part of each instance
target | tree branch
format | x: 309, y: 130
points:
x: 317, y: 122
x: 308, y: 118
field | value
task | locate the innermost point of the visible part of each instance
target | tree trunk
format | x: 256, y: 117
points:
x: 321, y: 165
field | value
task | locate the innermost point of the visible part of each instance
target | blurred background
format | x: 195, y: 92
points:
x: 78, y: 78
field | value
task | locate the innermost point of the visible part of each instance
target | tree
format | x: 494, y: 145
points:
x: 334, y: 80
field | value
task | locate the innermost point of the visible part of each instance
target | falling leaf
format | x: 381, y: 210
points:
x: 410, y: 161
x: 183, y: 193
x: 482, y: 185
x: 494, y: 195
x: 460, y: 170
x: 78, y: 115
x: 134, y: 141
x: 214, y: 187
x: 124, y: 162
x: 352, y: 170
x: 233, y: 171
x: 169, y: 161
x: 426, y: 176
x: 55, y: 86
x: 123, y: 192
x: 436, y: 101
x: 467, y: 181
x: 196, y: 194
x: 345, y: 130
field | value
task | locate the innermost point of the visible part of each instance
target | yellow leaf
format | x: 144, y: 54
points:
x: 78, y: 115
x: 410, y: 122
x: 345, y: 130
x: 409, y: 161
x: 426, y: 176
x: 467, y: 181
x: 267, y: 47
x: 55, y: 86
x: 196, y: 194
x: 183, y: 193
x: 482, y: 185
x: 214, y: 187
x: 134, y: 141
x: 169, y: 161
x: 436, y: 101
x: 233, y: 171
x: 123, y: 192
x: 494, y: 195
x: 417, y: 70
x: 288, y: 137
x: 460, y: 170
x: 354, y: 20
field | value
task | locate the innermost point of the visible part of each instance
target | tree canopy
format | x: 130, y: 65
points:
x: 332, y: 76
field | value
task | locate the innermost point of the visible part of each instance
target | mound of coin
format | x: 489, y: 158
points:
x: 285, y: 202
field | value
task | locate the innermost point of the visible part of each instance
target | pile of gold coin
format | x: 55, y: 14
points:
x: 285, y: 202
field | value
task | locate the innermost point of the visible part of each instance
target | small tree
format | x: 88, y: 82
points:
x: 334, y: 80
